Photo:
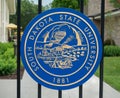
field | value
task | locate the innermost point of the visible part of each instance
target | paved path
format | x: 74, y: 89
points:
x: 29, y: 89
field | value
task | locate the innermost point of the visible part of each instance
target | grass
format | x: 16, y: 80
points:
x: 112, y: 72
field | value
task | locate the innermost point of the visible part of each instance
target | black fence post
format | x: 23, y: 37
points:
x: 18, y: 47
x: 39, y: 11
x: 102, y: 37
x: 39, y: 6
x: 60, y: 94
x: 81, y: 6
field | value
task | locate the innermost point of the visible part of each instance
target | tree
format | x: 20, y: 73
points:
x: 74, y: 4
x: 65, y: 3
x: 28, y: 11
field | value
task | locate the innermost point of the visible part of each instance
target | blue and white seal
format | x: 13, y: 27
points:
x: 61, y: 48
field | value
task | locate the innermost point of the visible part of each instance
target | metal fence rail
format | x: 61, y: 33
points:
x: 39, y: 11
x: 102, y: 37
x: 81, y: 6
x: 18, y: 47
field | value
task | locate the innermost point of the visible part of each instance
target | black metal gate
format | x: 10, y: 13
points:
x: 81, y: 3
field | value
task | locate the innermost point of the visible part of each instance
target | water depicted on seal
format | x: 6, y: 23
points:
x: 61, y: 48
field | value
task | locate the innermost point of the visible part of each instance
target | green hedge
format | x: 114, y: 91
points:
x: 7, y: 67
x: 111, y: 51
x: 7, y: 59
x: 4, y: 47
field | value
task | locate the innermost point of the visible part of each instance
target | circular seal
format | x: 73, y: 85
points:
x: 61, y: 48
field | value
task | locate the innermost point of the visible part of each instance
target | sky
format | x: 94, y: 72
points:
x: 44, y: 2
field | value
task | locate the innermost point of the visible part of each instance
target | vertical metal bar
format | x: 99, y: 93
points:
x: 39, y: 91
x: 39, y: 11
x: 81, y: 6
x: 60, y: 94
x: 39, y: 6
x: 80, y: 91
x: 102, y: 37
x: 18, y: 47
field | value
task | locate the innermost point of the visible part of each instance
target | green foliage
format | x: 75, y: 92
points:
x: 74, y: 4
x: 111, y: 51
x: 4, y: 46
x: 28, y: 11
x: 116, y: 3
x: 9, y: 53
x: 65, y: 3
x: 7, y: 59
x: 7, y: 66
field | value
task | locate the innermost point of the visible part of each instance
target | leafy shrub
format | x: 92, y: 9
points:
x: 7, y: 59
x: 109, y: 42
x: 4, y: 46
x: 9, y: 53
x: 111, y: 50
x: 7, y: 67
